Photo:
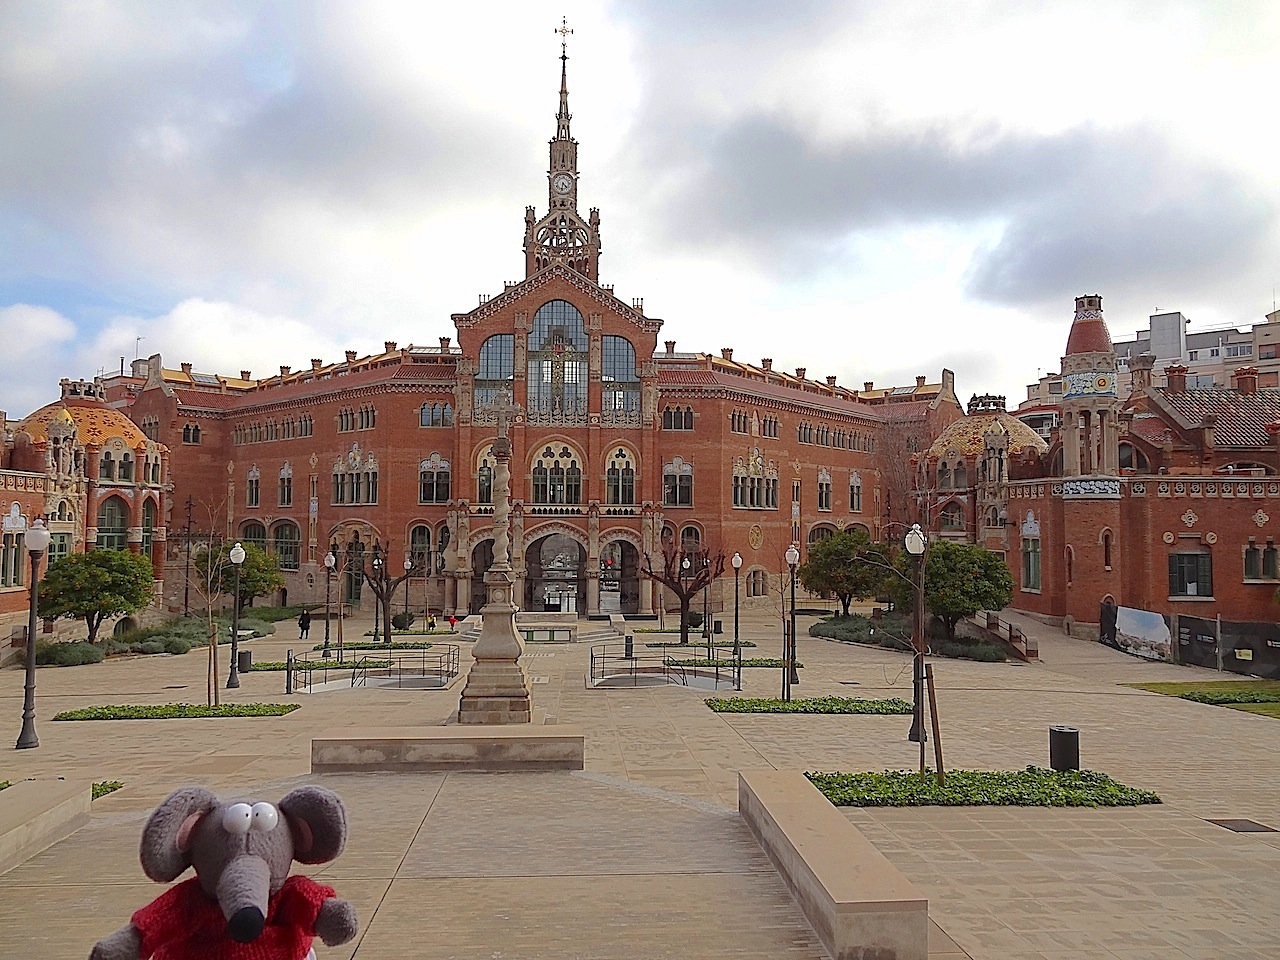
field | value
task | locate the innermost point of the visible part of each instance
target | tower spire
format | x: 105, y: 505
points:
x: 563, y: 117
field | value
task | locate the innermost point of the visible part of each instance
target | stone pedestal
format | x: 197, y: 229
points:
x: 497, y: 689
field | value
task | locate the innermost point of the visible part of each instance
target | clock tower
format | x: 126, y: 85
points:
x: 562, y: 236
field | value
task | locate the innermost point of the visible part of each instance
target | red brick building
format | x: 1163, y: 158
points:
x: 620, y: 443
x: 1168, y: 500
x: 92, y: 475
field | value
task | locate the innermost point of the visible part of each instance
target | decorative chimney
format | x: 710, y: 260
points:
x: 766, y: 364
x: 284, y: 371
x: 726, y: 353
x: 800, y: 372
x: 919, y: 382
x: 445, y: 344
x: 246, y: 374
x: 831, y: 381
x: 316, y: 363
x: 186, y: 368
x: 1176, y: 378
x: 1245, y: 380
x: 1140, y: 368
x: 388, y: 346
x: 671, y: 346
x: 351, y: 356
x: 868, y: 386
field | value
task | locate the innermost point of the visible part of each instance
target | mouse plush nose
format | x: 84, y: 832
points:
x: 246, y: 925
x: 243, y: 890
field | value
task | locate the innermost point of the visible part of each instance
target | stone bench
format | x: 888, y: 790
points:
x: 36, y: 814
x: 857, y: 902
x: 479, y: 749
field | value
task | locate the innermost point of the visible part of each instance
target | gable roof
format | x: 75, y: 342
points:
x: 1241, y: 419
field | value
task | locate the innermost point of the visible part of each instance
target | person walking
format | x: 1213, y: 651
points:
x: 1107, y: 621
x: 304, y: 624
x: 431, y: 623
x: 453, y: 624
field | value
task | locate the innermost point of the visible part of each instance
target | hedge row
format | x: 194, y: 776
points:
x: 1032, y: 787
x: 893, y: 705
x: 176, y: 711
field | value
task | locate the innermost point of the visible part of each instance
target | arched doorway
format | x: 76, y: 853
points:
x: 619, y: 578
x: 481, y: 561
x: 556, y: 577
x: 354, y: 567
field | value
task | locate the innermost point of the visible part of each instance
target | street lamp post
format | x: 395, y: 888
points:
x: 789, y: 659
x: 233, y: 676
x: 685, y: 564
x: 706, y: 607
x: 378, y: 574
x: 37, y: 541
x: 330, y: 561
x: 408, y: 565
x: 914, y: 542
x: 737, y: 644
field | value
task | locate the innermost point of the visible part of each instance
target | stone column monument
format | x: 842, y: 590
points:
x: 497, y: 689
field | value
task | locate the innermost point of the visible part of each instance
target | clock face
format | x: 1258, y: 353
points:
x: 562, y: 183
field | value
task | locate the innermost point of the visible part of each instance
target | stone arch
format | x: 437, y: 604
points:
x: 623, y: 533
x: 546, y: 529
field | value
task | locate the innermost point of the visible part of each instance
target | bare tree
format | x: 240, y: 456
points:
x: 904, y: 436
x: 687, y: 568
x: 382, y: 584
x: 206, y: 577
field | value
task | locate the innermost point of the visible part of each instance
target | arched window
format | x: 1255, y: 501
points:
x: 818, y: 534
x: 944, y: 476
x: 255, y: 533
x: 286, y: 485
x: 620, y: 479
x: 690, y: 539
x: 253, y: 488
x: 620, y: 379
x: 496, y: 368
x: 557, y: 477
x: 107, y: 466
x: 148, y: 525
x: 1131, y: 458
x: 677, y: 483
x: 433, y: 480
x: 484, y: 478
x: 557, y: 360
x: 1070, y: 559
x: 420, y: 547
x: 952, y: 517
x: 113, y: 525
x: 993, y: 517
x: 1106, y: 549
x: 960, y: 477
x: 757, y: 584
x: 285, y: 542
x: 855, y: 492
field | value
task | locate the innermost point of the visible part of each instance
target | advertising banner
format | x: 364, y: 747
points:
x: 1198, y: 642
x: 1143, y: 634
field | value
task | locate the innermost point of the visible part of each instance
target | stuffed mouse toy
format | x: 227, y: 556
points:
x: 241, y: 904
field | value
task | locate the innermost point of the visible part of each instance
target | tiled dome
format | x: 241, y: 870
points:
x: 95, y: 423
x: 965, y: 435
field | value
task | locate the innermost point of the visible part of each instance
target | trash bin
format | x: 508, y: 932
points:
x: 719, y: 626
x: 1064, y: 748
x: 244, y: 661
x: 629, y: 648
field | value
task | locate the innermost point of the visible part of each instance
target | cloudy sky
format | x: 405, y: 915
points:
x: 865, y: 189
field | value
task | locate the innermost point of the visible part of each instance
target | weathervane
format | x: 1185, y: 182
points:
x: 564, y: 31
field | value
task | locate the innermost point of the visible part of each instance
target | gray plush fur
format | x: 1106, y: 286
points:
x: 240, y: 871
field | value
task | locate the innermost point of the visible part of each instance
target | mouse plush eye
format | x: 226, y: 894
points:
x: 238, y: 818
x: 265, y: 817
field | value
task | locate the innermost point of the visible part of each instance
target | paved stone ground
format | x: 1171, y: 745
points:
x: 639, y: 855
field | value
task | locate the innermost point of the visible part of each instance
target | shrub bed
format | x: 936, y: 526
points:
x: 67, y: 654
x: 892, y: 705
x: 1032, y: 787
x: 704, y: 662
x: 105, y: 787
x: 177, y: 711
x: 276, y: 665
x: 380, y: 645
x: 694, y: 643
x: 1220, y: 697
x: 893, y: 632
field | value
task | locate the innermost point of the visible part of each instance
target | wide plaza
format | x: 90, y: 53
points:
x: 642, y: 854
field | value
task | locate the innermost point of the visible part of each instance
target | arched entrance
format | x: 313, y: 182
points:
x: 353, y: 566
x: 481, y: 561
x: 556, y: 577
x: 619, y: 578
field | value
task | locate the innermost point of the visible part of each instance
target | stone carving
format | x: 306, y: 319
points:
x: 1260, y: 518
x: 1189, y: 518
x: 1031, y: 526
x: 1100, y: 487
x: 1211, y: 538
x: 756, y: 536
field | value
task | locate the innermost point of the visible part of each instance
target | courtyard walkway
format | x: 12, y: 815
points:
x: 640, y: 855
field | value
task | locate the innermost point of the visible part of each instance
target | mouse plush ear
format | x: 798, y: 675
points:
x: 318, y: 823
x: 166, y: 839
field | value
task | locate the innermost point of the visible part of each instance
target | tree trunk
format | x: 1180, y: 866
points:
x: 93, y: 622
x: 844, y: 602
x: 684, y: 619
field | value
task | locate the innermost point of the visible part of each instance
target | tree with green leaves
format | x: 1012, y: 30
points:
x: 96, y: 585
x: 845, y: 565
x: 259, y: 574
x: 962, y: 578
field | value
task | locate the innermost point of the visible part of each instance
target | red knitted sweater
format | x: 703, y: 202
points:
x: 184, y: 924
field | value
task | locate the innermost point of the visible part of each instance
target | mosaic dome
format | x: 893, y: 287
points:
x: 965, y: 435
x: 95, y: 423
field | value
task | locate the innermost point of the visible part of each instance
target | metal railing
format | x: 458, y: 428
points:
x: 1012, y: 634
x: 432, y: 668
x: 621, y: 665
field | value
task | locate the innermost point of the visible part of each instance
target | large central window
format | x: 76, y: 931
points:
x: 557, y: 477
x: 557, y: 360
x: 496, y: 369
